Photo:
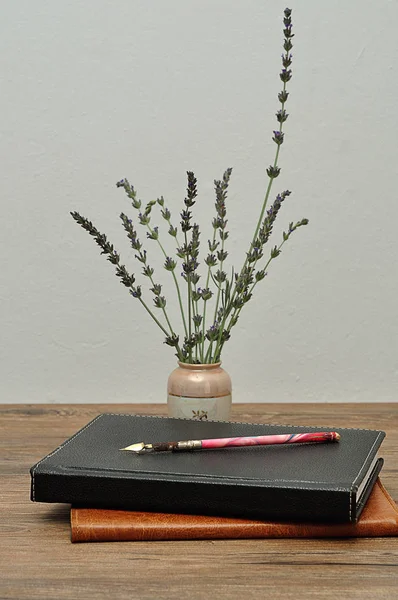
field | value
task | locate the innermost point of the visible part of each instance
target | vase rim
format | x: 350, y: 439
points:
x: 198, y: 367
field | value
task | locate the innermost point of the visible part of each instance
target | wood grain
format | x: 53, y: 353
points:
x: 37, y: 560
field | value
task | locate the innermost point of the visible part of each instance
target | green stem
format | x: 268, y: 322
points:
x: 218, y: 293
x: 176, y: 284
x: 267, y: 193
x: 195, y: 313
x: 164, y: 310
x: 237, y: 310
x: 159, y: 325
x: 153, y: 317
x: 189, y: 315
x: 204, y: 329
x: 205, y: 305
x: 208, y: 355
x: 189, y: 299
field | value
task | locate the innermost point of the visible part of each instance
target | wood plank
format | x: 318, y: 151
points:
x: 37, y: 560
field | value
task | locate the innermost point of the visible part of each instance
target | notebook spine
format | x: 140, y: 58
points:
x: 294, y: 504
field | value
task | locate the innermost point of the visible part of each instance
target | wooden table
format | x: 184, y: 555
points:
x: 38, y: 561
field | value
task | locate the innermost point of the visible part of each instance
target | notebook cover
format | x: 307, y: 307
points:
x: 378, y: 519
x: 303, y: 482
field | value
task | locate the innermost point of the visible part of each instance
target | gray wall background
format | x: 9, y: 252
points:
x: 95, y: 91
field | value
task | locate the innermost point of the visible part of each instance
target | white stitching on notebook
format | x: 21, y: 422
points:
x: 230, y: 422
x: 351, y: 504
x: 57, y: 450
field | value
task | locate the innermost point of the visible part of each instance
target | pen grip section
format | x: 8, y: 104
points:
x: 165, y: 446
x: 182, y: 446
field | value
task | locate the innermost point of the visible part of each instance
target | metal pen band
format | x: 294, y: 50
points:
x: 189, y: 445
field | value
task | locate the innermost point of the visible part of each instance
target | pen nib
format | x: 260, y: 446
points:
x: 138, y: 448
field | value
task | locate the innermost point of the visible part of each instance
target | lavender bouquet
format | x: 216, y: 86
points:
x: 208, y: 313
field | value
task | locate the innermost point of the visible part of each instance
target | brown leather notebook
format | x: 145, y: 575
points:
x: 378, y: 519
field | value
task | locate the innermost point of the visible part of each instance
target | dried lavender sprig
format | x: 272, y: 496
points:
x: 153, y: 234
x: 189, y: 251
x: 190, y: 264
x: 245, y: 278
x: 275, y: 252
x: 272, y: 213
x: 166, y: 214
x: 221, y: 188
x: 121, y: 271
x: 256, y: 253
x: 191, y: 277
x: 107, y: 248
x: 169, y: 263
x: 211, y: 261
x: 159, y: 301
x: 285, y: 76
x: 219, y: 224
x: 189, y: 344
x: 273, y: 170
x: 194, y: 279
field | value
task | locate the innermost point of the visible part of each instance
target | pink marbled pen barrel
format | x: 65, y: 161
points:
x: 258, y: 440
x: 265, y: 440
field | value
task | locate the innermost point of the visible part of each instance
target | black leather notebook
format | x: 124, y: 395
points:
x: 299, y: 482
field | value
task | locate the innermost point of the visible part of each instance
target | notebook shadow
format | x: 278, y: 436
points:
x: 57, y: 514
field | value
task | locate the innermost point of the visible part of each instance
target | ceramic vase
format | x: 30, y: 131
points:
x: 201, y: 392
